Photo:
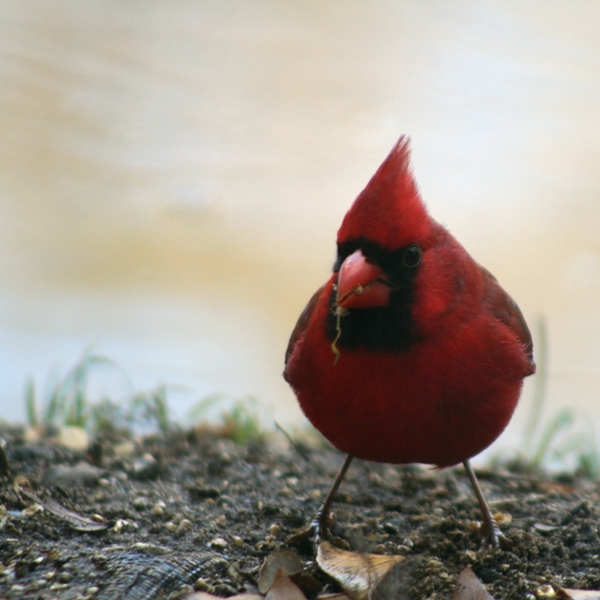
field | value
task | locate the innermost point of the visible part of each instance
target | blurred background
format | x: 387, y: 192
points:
x: 172, y: 177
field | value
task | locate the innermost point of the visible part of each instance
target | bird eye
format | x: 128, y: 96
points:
x: 412, y: 256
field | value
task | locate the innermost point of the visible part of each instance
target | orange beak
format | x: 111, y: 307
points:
x: 361, y: 284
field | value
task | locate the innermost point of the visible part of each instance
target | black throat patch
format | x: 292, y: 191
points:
x: 383, y: 327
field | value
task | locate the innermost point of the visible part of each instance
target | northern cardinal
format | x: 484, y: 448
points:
x: 411, y: 352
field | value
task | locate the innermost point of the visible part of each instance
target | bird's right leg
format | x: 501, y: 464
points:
x: 494, y: 536
x: 320, y: 527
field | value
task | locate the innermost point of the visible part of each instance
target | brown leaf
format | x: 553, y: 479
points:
x: 207, y: 596
x: 284, y: 588
x: 73, y: 519
x: 357, y: 574
x: 578, y: 594
x: 468, y: 587
x: 286, y: 559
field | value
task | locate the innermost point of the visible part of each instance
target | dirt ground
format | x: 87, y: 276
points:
x: 199, y: 510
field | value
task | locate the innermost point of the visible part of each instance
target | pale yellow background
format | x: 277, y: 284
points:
x: 172, y: 175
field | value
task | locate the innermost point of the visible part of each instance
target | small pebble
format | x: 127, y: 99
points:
x: 237, y: 541
x: 171, y: 527
x: 124, y: 449
x: 118, y: 527
x: 545, y: 591
x: 201, y: 585
x: 218, y: 543
x: 434, y: 564
x: 140, y: 503
x: 92, y: 591
x: 74, y: 438
x: 151, y: 549
x: 274, y: 529
x: 184, y: 526
x: 65, y: 577
x: 379, y: 549
x: 221, y: 521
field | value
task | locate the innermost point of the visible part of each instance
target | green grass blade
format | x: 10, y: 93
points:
x: 30, y: 403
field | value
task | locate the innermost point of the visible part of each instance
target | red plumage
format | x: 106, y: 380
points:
x: 432, y: 351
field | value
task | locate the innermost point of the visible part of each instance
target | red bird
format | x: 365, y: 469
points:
x: 411, y: 352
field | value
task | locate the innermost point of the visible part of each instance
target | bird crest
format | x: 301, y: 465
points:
x: 389, y: 211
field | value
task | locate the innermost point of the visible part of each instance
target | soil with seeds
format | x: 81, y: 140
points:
x: 196, y: 511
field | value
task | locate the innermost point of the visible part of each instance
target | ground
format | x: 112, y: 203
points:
x: 194, y: 508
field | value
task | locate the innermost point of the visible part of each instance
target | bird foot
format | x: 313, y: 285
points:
x: 495, y: 538
x: 318, y: 531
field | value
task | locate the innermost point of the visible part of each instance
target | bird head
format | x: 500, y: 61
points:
x: 383, y: 235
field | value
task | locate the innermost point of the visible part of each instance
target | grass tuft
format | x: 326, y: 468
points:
x: 239, y: 417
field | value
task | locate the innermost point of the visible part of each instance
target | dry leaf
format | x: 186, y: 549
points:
x: 75, y: 520
x: 284, y: 588
x: 286, y: 559
x: 578, y: 594
x: 207, y: 596
x: 468, y: 587
x: 357, y: 574
x: 543, y: 528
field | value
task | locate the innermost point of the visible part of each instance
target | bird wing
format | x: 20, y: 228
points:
x: 302, y: 323
x: 505, y: 309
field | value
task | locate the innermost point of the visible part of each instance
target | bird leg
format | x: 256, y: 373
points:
x: 320, y: 527
x: 490, y: 527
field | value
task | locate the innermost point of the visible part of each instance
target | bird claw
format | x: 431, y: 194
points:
x: 318, y: 531
x: 496, y: 539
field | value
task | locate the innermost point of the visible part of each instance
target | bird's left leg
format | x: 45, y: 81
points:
x: 492, y: 531
x: 319, y: 528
